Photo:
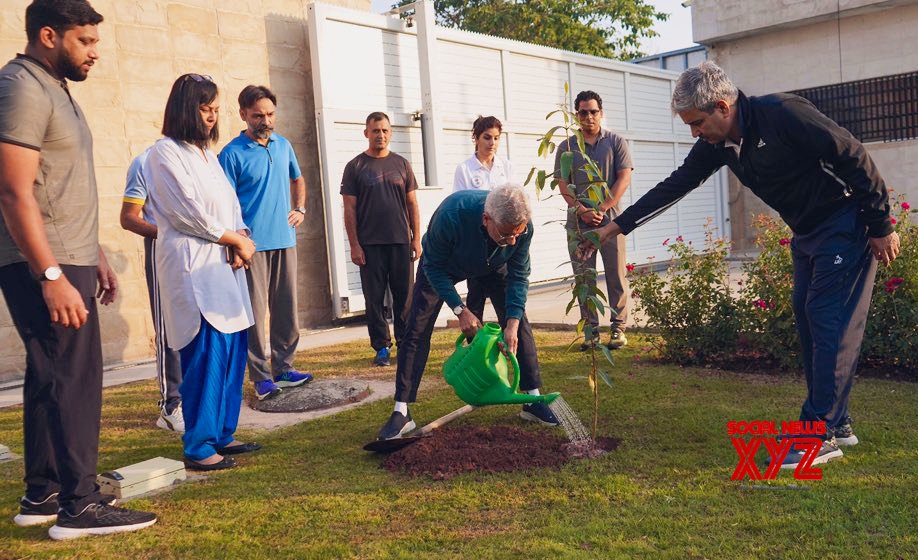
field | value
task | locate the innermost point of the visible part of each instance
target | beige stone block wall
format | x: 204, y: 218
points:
x: 145, y: 45
x: 729, y: 19
x: 815, y: 52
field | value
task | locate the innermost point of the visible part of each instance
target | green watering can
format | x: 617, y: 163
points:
x: 480, y: 375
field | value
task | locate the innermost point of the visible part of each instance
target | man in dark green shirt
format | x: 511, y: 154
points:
x: 473, y: 234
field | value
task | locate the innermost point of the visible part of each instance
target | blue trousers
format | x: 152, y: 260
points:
x: 213, y: 366
x: 834, y: 272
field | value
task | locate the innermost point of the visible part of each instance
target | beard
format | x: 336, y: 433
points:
x: 262, y: 132
x: 73, y: 71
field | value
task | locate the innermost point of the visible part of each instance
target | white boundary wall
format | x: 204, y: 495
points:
x: 365, y: 62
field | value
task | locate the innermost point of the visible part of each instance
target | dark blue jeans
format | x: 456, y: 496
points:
x: 834, y: 272
x: 414, y: 347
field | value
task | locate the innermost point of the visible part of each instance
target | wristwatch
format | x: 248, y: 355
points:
x: 458, y: 309
x: 51, y: 273
x: 300, y: 209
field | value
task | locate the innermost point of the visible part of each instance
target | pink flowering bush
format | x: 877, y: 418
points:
x: 701, y: 322
x: 765, y: 304
x: 891, y: 339
x: 690, y: 303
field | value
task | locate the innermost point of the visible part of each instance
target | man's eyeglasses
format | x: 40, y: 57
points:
x: 199, y: 78
x: 584, y: 113
x: 504, y: 239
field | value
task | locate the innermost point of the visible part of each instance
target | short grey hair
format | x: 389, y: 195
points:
x: 702, y: 87
x: 508, y: 205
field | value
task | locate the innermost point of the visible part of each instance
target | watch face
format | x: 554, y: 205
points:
x: 52, y: 273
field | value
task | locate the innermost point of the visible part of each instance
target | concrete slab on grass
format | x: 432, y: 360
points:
x: 318, y: 395
x: 255, y: 419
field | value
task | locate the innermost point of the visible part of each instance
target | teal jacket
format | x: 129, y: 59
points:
x: 457, y: 247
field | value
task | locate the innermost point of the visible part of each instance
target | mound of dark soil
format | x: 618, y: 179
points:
x: 449, y: 452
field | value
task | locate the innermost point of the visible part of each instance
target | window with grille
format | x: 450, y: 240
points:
x: 873, y: 110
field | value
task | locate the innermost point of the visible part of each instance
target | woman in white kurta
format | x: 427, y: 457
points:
x: 201, y: 247
x: 485, y: 170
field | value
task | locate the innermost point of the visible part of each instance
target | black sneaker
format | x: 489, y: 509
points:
x: 36, y: 513
x: 844, y: 434
x: 539, y: 412
x: 99, y: 519
x: 828, y: 452
x: 397, y: 426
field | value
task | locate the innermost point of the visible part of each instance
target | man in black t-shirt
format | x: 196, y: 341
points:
x: 382, y: 220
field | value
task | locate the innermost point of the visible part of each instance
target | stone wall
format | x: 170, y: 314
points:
x: 145, y: 45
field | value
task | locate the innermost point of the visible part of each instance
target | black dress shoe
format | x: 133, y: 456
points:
x: 226, y: 463
x: 241, y: 448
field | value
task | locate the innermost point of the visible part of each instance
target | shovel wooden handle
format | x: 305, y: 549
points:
x: 445, y: 419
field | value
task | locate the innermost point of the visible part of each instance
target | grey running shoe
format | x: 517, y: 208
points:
x: 844, y: 434
x: 617, y: 340
x: 828, y: 452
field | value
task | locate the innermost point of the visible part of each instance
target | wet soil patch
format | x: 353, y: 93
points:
x: 492, y: 449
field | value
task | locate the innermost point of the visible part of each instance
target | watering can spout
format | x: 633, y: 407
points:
x: 480, y: 375
x: 523, y: 398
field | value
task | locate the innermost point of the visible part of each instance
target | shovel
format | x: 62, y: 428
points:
x: 390, y: 445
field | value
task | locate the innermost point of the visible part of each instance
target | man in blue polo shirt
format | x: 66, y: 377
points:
x: 263, y: 169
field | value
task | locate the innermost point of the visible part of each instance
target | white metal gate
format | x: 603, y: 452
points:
x: 364, y: 62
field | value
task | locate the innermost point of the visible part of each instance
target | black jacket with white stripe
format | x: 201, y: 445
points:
x: 797, y: 160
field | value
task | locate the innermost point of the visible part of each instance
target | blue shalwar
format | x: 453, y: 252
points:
x: 213, y: 365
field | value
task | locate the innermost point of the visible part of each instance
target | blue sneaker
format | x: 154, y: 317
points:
x: 266, y: 389
x: 292, y: 378
x: 382, y: 357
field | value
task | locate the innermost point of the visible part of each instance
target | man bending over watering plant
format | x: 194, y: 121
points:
x: 823, y: 183
x: 473, y: 234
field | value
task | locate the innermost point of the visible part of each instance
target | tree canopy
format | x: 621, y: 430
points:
x: 607, y: 28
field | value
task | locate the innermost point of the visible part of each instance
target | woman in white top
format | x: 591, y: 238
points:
x: 201, y: 246
x: 483, y: 171
x: 486, y: 169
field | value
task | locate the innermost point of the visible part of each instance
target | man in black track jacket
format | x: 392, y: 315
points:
x: 823, y: 183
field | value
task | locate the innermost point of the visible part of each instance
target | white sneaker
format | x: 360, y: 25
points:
x: 174, y: 422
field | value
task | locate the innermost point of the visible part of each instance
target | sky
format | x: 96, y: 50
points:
x: 675, y: 33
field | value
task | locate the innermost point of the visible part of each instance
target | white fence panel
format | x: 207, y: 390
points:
x: 363, y: 62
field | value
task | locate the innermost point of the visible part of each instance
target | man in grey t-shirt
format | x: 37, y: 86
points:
x: 610, y: 152
x: 50, y: 266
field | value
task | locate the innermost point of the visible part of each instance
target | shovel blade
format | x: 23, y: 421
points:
x: 390, y: 445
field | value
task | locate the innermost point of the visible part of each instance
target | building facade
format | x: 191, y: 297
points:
x: 856, y: 56
x: 145, y: 45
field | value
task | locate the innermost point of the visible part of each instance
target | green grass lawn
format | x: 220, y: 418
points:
x: 665, y: 493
